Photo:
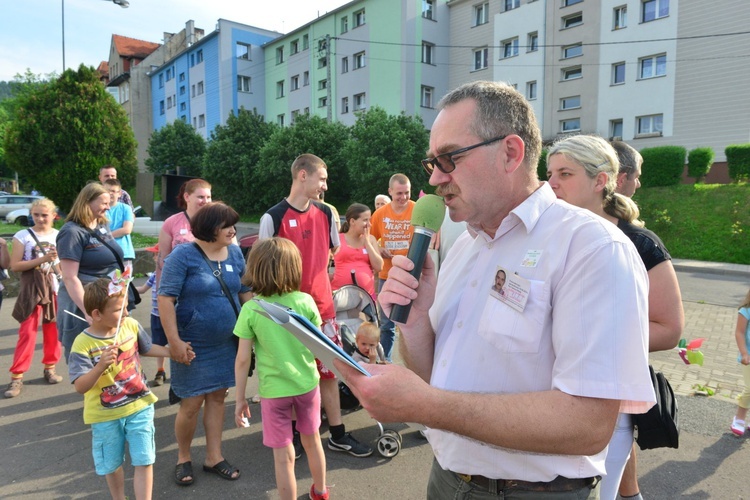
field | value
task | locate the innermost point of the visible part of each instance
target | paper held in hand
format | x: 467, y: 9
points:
x: 310, y: 335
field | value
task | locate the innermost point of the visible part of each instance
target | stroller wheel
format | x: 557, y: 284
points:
x: 395, y: 434
x: 389, y: 444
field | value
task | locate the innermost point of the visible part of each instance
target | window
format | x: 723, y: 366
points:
x: 572, y: 125
x: 571, y: 21
x: 570, y: 102
x: 279, y: 55
x: 480, y: 58
x: 169, y: 74
x: 183, y: 118
x: 531, y: 88
x: 192, y: 63
x: 242, y: 51
x: 169, y: 103
x: 359, y: 18
x: 428, y: 53
x: 182, y: 90
x: 323, y: 102
x: 161, y: 80
x: 294, y: 46
x: 510, y: 48
x: 305, y: 78
x: 572, y: 73
x: 193, y: 91
x: 428, y: 94
x: 359, y: 60
x: 195, y: 122
x: 125, y: 92
x: 511, y: 4
x: 654, y: 9
x: 344, y: 24
x: 243, y: 83
x: 294, y: 83
x: 428, y: 7
x: 481, y: 13
x: 344, y: 64
x: 280, y: 120
x: 344, y: 105
x: 305, y: 42
x: 572, y: 51
x: 307, y: 110
x: 200, y: 88
x: 322, y: 84
x: 322, y: 62
x: 182, y: 77
x: 201, y: 121
x: 571, y: 2
x: 161, y: 107
x: 295, y: 114
x: 648, y: 125
x: 183, y: 106
x: 652, y: 66
x: 532, y: 42
x: 199, y: 57
x: 618, y: 73
x: 615, y: 130
x: 620, y: 17
x: 280, y: 89
x: 359, y: 102
x: 322, y: 44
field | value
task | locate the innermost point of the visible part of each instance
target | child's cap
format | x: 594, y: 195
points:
x: 154, y: 249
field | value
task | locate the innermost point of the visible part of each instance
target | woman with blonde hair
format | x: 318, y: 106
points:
x: 34, y: 257
x: 582, y: 170
x: 86, y: 250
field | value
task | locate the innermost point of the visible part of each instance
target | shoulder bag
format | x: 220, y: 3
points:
x: 660, y: 426
x: 131, y: 287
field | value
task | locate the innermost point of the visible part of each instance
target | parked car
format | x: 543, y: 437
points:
x: 246, y: 243
x: 22, y: 217
x: 11, y: 202
x: 144, y: 225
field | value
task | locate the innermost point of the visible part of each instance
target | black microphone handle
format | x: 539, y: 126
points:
x: 420, y: 243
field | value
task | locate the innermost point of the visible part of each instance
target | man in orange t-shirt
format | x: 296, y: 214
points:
x: 391, y: 226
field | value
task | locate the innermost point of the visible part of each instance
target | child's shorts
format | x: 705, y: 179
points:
x: 158, y: 337
x: 331, y: 329
x: 108, y: 441
x: 277, y: 417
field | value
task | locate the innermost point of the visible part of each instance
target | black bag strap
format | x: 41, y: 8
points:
x: 38, y: 244
x: 217, y: 273
x: 114, y: 252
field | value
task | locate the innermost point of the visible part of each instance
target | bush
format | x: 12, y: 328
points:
x: 738, y: 161
x: 541, y: 167
x: 699, y: 163
x: 662, y: 166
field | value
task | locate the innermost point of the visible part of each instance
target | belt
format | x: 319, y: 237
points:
x: 558, y: 484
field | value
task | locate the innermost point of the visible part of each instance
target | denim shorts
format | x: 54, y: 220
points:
x: 276, y: 414
x: 158, y: 337
x: 108, y: 441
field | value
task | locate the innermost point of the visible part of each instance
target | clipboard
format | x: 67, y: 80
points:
x: 310, y: 335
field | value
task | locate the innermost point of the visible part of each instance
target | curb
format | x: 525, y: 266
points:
x: 719, y: 268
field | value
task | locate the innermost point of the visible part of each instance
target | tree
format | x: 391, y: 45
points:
x: 63, y: 132
x: 272, y: 176
x: 176, y: 144
x: 231, y: 156
x: 382, y: 145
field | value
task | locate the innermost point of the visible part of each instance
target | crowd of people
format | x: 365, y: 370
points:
x: 592, y: 293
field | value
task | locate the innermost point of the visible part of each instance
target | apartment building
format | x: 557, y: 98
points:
x: 213, y: 77
x: 389, y: 53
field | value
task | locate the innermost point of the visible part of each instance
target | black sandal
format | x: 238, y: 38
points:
x: 224, y: 470
x: 183, y: 470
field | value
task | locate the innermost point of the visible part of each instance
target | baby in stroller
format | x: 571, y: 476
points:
x: 368, y: 348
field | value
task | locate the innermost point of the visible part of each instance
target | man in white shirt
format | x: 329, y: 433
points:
x: 520, y: 391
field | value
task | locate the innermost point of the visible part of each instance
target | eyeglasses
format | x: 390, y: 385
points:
x: 444, y: 162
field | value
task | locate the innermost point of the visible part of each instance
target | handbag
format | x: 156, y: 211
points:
x: 44, y: 252
x: 217, y: 273
x: 660, y: 426
x: 131, y: 287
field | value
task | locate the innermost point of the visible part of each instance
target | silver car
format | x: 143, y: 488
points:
x: 11, y: 202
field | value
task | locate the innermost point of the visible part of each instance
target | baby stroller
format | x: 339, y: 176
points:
x: 353, y: 306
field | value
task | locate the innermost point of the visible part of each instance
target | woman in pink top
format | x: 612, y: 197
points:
x: 358, y: 251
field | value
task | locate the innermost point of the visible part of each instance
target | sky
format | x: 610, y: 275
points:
x: 31, y: 30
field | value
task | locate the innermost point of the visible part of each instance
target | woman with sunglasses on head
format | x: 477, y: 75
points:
x: 582, y: 170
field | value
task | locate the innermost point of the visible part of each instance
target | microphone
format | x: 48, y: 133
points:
x: 426, y: 219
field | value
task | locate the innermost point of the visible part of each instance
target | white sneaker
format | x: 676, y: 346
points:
x: 738, y: 426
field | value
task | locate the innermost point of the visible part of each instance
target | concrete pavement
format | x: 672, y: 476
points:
x: 46, y: 446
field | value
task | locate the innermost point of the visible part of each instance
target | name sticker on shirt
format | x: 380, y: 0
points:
x: 364, y: 251
x: 183, y: 231
x: 229, y: 269
x: 103, y: 230
x: 532, y: 258
x: 293, y: 223
x: 510, y: 289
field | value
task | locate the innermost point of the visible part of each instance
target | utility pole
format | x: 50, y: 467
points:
x: 329, y: 82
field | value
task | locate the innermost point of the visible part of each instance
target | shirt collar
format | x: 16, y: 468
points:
x: 527, y: 213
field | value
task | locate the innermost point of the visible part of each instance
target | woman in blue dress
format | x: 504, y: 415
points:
x: 195, y: 311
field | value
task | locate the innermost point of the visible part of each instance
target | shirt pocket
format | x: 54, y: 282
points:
x: 516, y: 332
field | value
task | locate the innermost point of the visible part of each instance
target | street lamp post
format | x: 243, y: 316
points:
x: 122, y: 3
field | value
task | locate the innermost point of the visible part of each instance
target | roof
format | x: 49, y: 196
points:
x: 103, y: 70
x: 130, y: 47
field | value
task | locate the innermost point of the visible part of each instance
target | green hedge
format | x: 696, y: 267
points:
x: 738, y: 161
x: 541, y: 167
x: 699, y: 163
x: 662, y: 166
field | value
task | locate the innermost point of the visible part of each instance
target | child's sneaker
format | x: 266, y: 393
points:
x: 14, y: 388
x: 297, y: 443
x: 160, y: 377
x: 318, y: 496
x: 350, y: 445
x: 738, y: 426
x: 51, y: 377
